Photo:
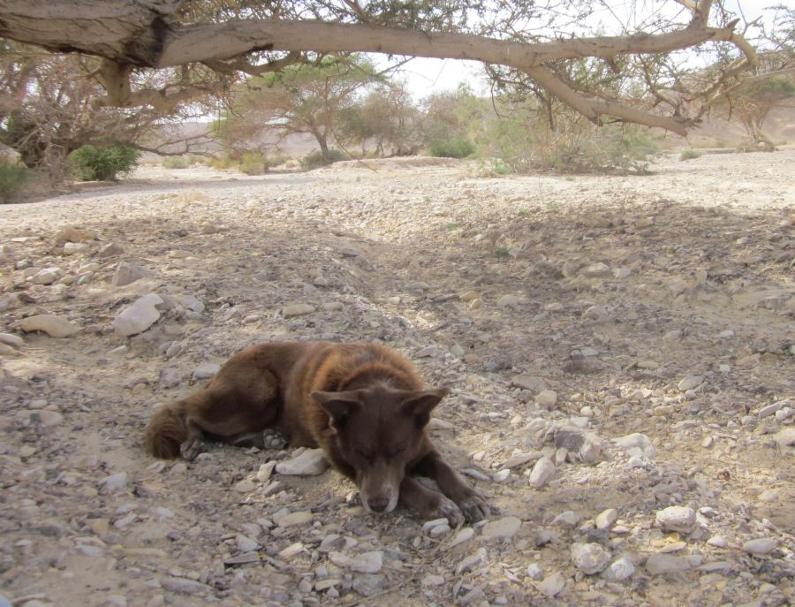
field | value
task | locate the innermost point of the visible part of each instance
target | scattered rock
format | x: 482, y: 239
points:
x: 507, y: 301
x: 139, y: 316
x: 310, y: 462
x: 12, y: 340
x: 542, y: 472
x: 206, y: 370
x: 368, y: 584
x: 547, y: 399
x: 298, y: 309
x: 589, y: 558
x: 552, y: 585
x: 690, y: 382
x: 621, y: 569
x: 52, y: 325
x: 470, y: 562
x: 297, y: 518
x: 503, y: 528
x: 760, y: 546
x: 47, y: 276
x: 367, y: 562
x: 127, y: 273
x: 661, y: 564
x: 676, y: 518
x: 114, y: 482
x: 605, y: 519
x: 74, y: 234
x: 184, y: 586
x: 463, y: 535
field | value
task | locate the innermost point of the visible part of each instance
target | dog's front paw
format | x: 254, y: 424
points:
x: 447, y: 509
x: 475, y: 508
x: 191, y: 448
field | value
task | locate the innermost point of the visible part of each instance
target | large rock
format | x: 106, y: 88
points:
x: 677, y: 518
x: 542, y: 472
x: 139, y: 316
x: 52, y: 325
x: 589, y: 558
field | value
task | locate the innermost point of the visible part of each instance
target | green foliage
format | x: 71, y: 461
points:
x: 780, y: 86
x: 253, y: 163
x: 316, y: 160
x: 451, y: 146
x: 176, y: 162
x: 689, y: 154
x: 12, y: 178
x: 91, y: 163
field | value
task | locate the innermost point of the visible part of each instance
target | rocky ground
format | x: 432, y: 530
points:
x: 621, y: 350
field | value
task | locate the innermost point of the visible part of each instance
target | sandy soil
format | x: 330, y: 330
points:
x: 566, y: 312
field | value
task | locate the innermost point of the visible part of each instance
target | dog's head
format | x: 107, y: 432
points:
x: 378, y: 431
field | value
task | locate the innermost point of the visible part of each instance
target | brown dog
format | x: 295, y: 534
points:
x: 363, y: 404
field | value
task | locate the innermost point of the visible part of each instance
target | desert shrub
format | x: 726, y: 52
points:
x: 316, y: 160
x: 452, y: 146
x: 176, y: 162
x: 91, y: 163
x: 12, y: 178
x: 252, y: 163
x: 689, y: 154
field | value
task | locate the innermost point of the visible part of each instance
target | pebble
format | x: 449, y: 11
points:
x: 431, y: 581
x: 589, y: 558
x: 310, y: 462
x: 718, y: 541
x: 605, y: 519
x: 503, y: 528
x: 507, y: 301
x: 528, y: 382
x: 110, y: 249
x: 12, y: 340
x: 661, y: 564
x: 569, y: 518
x: 297, y: 309
x: 368, y: 584
x: 760, y: 546
x: 636, y: 444
x: 74, y: 234
x: 552, y: 585
x: 183, y: 585
x: 366, y: 562
x: 52, y: 325
x: 470, y: 562
x: 206, y: 370
x: 463, y: 535
x: 49, y: 418
x: 292, y: 550
x: 547, y: 399
x: 428, y: 526
x: 114, y: 482
x: 246, y: 544
x: 127, y: 273
x: 535, y: 571
x: 689, y: 382
x: 294, y: 518
x: 47, y: 276
x: 621, y: 569
x: 596, y: 270
x: 265, y: 471
x: 139, y: 316
x: 770, y: 409
x: 676, y: 518
x: 542, y: 472
x: 244, y: 486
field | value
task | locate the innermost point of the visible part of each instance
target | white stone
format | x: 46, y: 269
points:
x: 676, y: 518
x: 547, y: 399
x: 589, y: 558
x: 298, y: 309
x: 294, y: 518
x: 139, y: 316
x: 246, y: 544
x: 605, y: 519
x: 636, y: 441
x: 621, y: 569
x: 535, y: 572
x: 52, y: 325
x: 542, y: 472
x: 760, y: 545
x: 47, y: 276
x: 11, y: 340
x: 310, y: 462
x: 206, y: 370
x: 464, y: 535
x: 689, y: 382
x: 114, y: 482
x: 503, y: 528
x: 552, y: 585
x: 367, y: 562
x: 127, y: 273
x: 510, y: 300
x: 661, y: 564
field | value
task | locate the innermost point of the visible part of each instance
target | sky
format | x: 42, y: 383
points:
x: 427, y: 76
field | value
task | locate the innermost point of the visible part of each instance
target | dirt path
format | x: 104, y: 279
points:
x: 566, y: 313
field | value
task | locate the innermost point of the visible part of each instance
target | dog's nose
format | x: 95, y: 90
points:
x: 378, y: 504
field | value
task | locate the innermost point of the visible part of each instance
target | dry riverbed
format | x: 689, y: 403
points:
x: 621, y: 349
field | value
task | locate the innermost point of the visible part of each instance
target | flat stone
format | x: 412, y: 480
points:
x: 520, y: 459
x: 114, y: 482
x: 206, y: 370
x: 49, y: 418
x: 368, y: 584
x: 770, y: 409
x: 760, y: 546
x: 470, y: 562
x: 507, y: 301
x: 690, y: 382
x: 596, y: 270
x: 127, y: 273
x: 295, y: 518
x: 605, y: 519
x: 12, y: 340
x: 74, y: 234
x: 464, y: 535
x: 244, y: 486
x: 298, y: 309
x: 528, y: 382
x: 547, y: 399
x: 292, y: 551
x: 542, y: 472
x: 110, y: 249
x: 661, y: 564
x: 367, y: 562
x: 246, y: 544
x: 676, y: 518
x: 47, y: 276
x: 503, y: 528
x: 139, y: 316
x: 589, y: 558
x: 552, y: 585
x: 52, y: 325
x: 184, y: 585
x: 636, y: 442
x: 310, y: 462
x: 431, y: 581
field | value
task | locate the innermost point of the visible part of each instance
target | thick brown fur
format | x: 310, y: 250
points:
x: 362, y: 403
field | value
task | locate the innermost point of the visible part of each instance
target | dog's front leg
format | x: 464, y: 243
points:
x: 472, y: 504
x: 427, y: 503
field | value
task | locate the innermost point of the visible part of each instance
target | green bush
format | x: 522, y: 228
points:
x: 456, y: 146
x: 253, y: 163
x: 12, y: 178
x: 176, y: 162
x: 316, y: 160
x: 91, y: 163
x: 689, y: 154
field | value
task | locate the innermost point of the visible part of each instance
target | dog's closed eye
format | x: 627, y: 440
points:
x: 367, y: 455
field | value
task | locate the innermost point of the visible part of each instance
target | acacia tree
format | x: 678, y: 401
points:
x: 538, y: 40
x: 300, y: 98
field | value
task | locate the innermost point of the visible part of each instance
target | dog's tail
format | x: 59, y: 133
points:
x: 166, y: 431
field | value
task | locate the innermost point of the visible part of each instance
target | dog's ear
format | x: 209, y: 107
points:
x: 420, y: 404
x: 339, y: 405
